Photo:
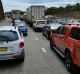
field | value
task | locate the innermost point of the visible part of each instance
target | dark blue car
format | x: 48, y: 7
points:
x: 21, y: 26
x: 23, y: 29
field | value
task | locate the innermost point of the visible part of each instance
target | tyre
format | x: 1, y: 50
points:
x: 51, y: 45
x: 35, y: 29
x: 68, y: 61
x: 42, y: 33
x: 47, y: 36
x: 21, y: 60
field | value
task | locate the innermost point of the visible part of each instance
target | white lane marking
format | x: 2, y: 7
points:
x: 36, y: 38
x: 43, y: 49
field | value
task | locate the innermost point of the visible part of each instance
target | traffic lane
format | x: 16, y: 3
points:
x: 42, y: 56
x: 50, y: 57
x: 39, y: 58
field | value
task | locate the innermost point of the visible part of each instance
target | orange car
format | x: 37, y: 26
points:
x: 66, y: 41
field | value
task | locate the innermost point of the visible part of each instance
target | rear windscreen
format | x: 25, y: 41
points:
x: 8, y: 36
x: 41, y: 22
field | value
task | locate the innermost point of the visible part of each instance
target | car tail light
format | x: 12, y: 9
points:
x: 21, y: 45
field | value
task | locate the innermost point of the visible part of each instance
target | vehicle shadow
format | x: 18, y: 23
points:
x: 8, y: 64
x: 76, y: 71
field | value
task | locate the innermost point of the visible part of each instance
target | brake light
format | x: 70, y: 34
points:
x: 21, y: 45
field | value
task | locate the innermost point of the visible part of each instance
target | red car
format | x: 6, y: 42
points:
x: 66, y: 41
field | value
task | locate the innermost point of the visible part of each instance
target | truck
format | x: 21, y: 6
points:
x: 35, y: 12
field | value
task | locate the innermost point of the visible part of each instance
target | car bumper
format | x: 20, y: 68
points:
x: 25, y: 34
x: 39, y: 28
x: 11, y: 56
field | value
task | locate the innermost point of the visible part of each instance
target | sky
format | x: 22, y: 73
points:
x: 23, y: 4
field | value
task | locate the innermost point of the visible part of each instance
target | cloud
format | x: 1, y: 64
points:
x: 23, y: 4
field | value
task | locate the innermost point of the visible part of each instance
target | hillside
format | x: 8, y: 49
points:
x: 72, y: 11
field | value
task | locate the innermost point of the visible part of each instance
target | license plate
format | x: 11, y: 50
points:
x: 3, y: 49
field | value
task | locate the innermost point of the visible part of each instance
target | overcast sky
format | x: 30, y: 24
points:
x: 23, y: 4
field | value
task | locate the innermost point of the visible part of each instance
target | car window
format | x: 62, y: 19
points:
x: 75, y: 33
x: 58, y: 31
x: 64, y: 29
x: 41, y: 22
x: 8, y: 35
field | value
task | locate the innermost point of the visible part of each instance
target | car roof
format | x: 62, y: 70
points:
x: 72, y: 25
x: 8, y: 28
x: 54, y: 24
x: 21, y: 24
x: 17, y: 21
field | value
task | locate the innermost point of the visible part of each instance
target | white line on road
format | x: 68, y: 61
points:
x: 43, y: 49
x: 36, y: 38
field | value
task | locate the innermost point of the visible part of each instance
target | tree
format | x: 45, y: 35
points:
x: 60, y: 9
x: 1, y: 11
x: 51, y: 11
x: 77, y: 6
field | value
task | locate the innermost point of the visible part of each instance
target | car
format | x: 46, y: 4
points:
x: 39, y: 24
x: 49, y: 28
x: 17, y: 21
x: 66, y: 41
x: 11, y: 44
x: 22, y: 27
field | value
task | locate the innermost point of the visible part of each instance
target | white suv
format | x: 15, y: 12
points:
x: 11, y: 44
x: 39, y: 24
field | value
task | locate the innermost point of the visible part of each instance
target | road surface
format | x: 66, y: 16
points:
x: 39, y: 58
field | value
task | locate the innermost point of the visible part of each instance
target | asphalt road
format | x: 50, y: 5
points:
x: 39, y: 58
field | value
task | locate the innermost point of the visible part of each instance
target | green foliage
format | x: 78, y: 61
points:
x: 51, y: 11
x: 68, y: 8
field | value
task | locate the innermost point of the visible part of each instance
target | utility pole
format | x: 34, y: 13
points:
x: 1, y: 11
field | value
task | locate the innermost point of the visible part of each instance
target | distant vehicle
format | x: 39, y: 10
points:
x: 39, y: 24
x: 23, y: 29
x: 35, y: 12
x: 15, y: 22
x: 48, y: 29
x: 11, y: 44
x: 66, y: 41
x: 15, y: 14
x: 22, y: 26
x: 50, y: 19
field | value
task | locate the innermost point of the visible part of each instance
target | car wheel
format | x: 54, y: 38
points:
x: 21, y: 60
x: 51, y: 45
x: 42, y: 33
x: 47, y: 36
x: 35, y: 29
x: 68, y: 61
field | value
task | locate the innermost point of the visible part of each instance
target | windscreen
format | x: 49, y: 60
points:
x: 41, y: 22
x: 8, y: 36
